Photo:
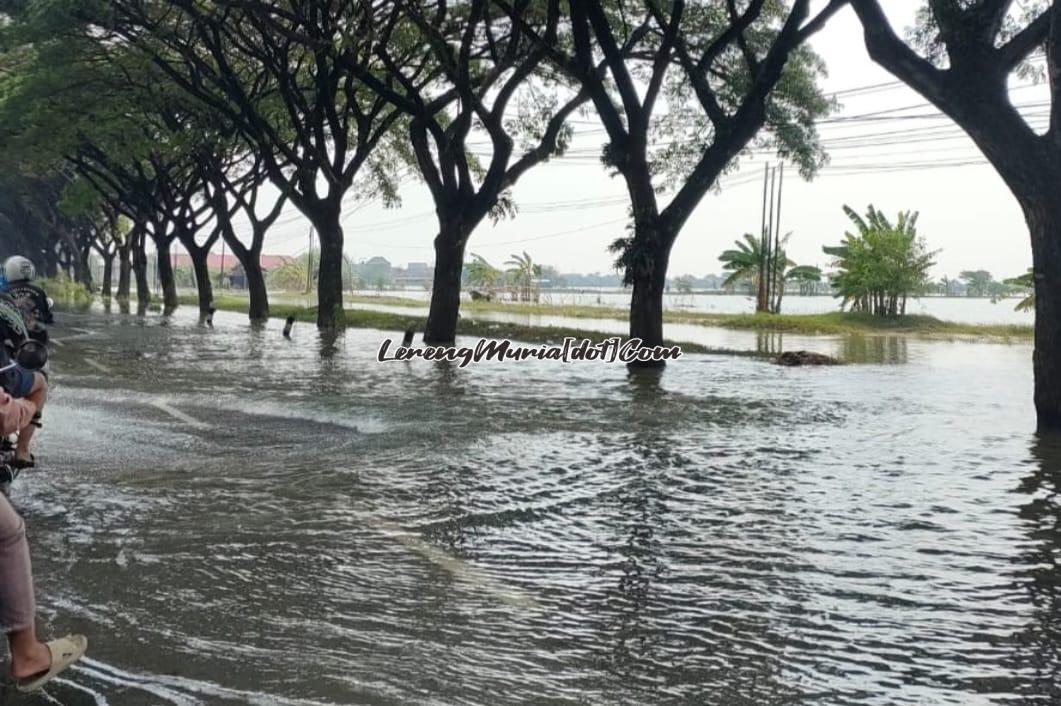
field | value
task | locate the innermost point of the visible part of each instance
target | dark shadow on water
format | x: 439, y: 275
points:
x: 1037, y: 648
x: 449, y: 379
x: 645, y: 384
x: 329, y: 342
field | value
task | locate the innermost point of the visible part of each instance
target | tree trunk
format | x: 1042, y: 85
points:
x: 166, y: 280
x: 82, y: 270
x: 143, y: 288
x: 250, y: 260
x: 330, y: 271
x: 1044, y: 222
x: 108, y: 269
x: 202, y: 280
x: 259, y: 296
x: 442, y: 316
x: 123, y: 272
x: 649, y: 278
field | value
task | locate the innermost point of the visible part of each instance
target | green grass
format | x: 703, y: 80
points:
x: 832, y: 323
x: 387, y: 321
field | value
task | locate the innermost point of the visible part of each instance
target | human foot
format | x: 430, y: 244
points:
x: 30, y: 661
x: 62, y: 653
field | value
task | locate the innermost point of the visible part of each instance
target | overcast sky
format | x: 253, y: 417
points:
x: 570, y: 209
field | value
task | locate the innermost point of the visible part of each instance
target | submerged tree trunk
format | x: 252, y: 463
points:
x: 108, y: 270
x: 647, y: 272
x: 202, y: 280
x: 166, y: 280
x: 330, y: 271
x: 123, y: 271
x: 441, y: 328
x: 143, y: 288
x: 259, y: 295
x: 1044, y: 221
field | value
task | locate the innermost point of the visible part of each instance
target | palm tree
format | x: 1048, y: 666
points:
x: 525, y: 271
x: 481, y: 273
x: 746, y: 263
x: 1025, y: 281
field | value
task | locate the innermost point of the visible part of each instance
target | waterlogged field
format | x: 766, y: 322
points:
x: 236, y: 518
x: 967, y: 310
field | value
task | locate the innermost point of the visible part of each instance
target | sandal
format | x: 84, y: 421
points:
x: 65, y: 651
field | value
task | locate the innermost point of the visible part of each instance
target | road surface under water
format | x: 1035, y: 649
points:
x: 237, y: 518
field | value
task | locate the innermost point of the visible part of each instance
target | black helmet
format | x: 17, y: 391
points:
x: 32, y: 355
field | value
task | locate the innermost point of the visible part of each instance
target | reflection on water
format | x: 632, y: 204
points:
x: 1038, y: 646
x: 873, y: 349
x: 318, y: 528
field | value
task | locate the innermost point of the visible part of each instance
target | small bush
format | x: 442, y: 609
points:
x: 66, y: 292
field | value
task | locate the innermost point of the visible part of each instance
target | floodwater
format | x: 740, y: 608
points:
x: 966, y: 310
x: 234, y: 518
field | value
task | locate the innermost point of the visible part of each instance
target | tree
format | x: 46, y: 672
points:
x: 279, y: 75
x: 746, y: 263
x: 290, y: 276
x: 1026, y: 283
x: 525, y: 272
x: 881, y: 265
x: 961, y: 59
x: 481, y: 274
x: 490, y: 81
x: 977, y: 282
x: 703, y: 79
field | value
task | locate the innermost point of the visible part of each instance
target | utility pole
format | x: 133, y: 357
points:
x: 767, y: 242
x: 761, y: 293
x: 776, y: 305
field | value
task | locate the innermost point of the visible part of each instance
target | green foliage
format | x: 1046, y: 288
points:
x: 684, y: 130
x: 481, y: 273
x: 881, y: 265
x: 978, y: 283
x: 288, y: 277
x: 66, y: 292
x: 747, y: 263
x: 525, y: 273
x: 1025, y: 282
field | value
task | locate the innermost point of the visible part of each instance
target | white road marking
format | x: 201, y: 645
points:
x: 458, y: 568
x: 177, y: 414
x: 98, y: 366
x: 56, y: 342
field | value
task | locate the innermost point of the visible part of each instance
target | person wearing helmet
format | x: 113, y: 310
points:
x: 19, y: 274
x: 19, y: 358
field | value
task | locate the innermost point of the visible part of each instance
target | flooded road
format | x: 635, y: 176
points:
x: 236, y: 518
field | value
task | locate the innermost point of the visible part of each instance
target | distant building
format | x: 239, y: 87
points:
x: 229, y: 268
x: 415, y: 274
